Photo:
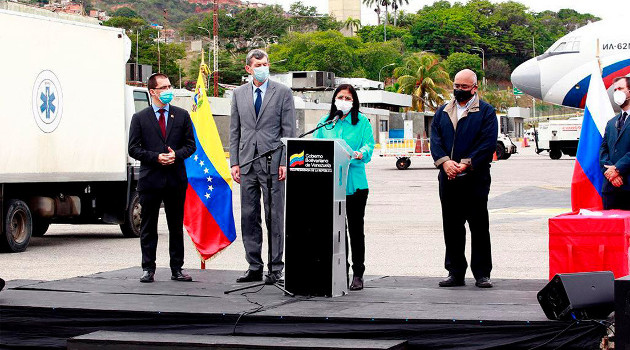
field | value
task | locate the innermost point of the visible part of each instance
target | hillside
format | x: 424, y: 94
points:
x: 169, y: 12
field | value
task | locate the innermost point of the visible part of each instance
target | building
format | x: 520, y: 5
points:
x: 341, y: 10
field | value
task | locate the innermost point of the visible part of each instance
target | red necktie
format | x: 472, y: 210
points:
x: 162, y: 122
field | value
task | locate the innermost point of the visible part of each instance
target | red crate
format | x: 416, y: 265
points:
x: 584, y: 243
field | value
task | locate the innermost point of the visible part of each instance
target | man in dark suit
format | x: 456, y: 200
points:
x: 614, y: 153
x: 463, y: 140
x: 262, y: 114
x: 161, y: 137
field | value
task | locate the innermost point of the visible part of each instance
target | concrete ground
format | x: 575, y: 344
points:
x: 403, y: 227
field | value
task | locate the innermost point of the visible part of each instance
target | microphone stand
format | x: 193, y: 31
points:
x: 270, y: 279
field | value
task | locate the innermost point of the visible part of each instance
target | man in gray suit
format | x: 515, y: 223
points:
x: 262, y: 113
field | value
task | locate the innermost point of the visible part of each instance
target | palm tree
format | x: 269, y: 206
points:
x: 395, y: 5
x: 352, y: 24
x: 369, y: 3
x: 424, y: 78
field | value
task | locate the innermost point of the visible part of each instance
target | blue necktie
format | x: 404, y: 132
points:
x: 621, y: 121
x: 258, y: 101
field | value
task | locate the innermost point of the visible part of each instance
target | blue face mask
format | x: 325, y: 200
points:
x: 261, y: 73
x: 166, y: 96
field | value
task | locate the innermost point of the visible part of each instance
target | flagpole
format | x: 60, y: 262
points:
x: 599, y: 63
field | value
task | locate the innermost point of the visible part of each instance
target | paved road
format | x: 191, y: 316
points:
x: 403, y: 227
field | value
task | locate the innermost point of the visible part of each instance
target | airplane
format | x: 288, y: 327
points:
x: 562, y: 74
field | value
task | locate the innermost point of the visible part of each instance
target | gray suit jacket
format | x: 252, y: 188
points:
x: 247, y: 133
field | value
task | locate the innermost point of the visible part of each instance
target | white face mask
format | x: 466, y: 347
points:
x: 619, y: 97
x: 344, y: 106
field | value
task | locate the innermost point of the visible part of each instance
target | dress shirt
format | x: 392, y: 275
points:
x: 263, y: 89
x: 156, y: 109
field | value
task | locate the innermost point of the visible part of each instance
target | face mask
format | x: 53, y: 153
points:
x: 619, y: 97
x: 344, y: 106
x: 462, y: 95
x: 166, y: 96
x: 261, y: 73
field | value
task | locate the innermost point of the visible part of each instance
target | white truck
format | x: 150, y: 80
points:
x: 63, y: 128
x: 505, y: 146
x: 558, y: 137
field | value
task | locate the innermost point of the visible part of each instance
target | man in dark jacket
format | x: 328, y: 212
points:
x: 161, y: 137
x: 614, y: 154
x: 463, y: 140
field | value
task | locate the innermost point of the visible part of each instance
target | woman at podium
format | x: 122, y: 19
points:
x: 353, y: 127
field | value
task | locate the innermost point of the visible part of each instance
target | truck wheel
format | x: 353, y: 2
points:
x: 500, y: 150
x: 40, y: 226
x: 18, y: 227
x: 403, y: 163
x: 555, y: 154
x: 131, y: 227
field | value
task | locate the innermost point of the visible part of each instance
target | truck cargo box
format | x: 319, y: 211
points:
x: 62, y: 99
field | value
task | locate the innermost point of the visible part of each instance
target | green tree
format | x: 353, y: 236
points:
x: 127, y: 23
x: 374, y: 56
x: 326, y: 51
x: 231, y: 68
x: 461, y: 60
x: 352, y: 24
x: 501, y: 100
x: 498, y: 69
x: 125, y: 12
x: 423, y: 77
x: 377, y: 9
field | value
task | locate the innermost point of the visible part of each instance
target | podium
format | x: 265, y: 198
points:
x: 315, y: 212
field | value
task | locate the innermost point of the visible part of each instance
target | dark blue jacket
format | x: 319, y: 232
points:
x: 473, y: 141
x: 615, y: 150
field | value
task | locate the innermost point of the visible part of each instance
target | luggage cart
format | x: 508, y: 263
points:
x: 404, y: 149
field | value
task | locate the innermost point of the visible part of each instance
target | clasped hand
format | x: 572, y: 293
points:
x: 452, y: 168
x: 612, y: 175
x: 167, y: 158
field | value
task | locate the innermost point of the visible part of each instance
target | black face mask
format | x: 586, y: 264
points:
x: 462, y: 95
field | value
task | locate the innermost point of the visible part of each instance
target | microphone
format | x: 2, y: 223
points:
x: 338, y: 115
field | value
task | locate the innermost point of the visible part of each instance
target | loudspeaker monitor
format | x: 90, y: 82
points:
x: 585, y: 295
x: 622, y: 313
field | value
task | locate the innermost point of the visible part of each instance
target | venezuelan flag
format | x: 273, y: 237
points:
x: 208, y: 213
x: 296, y: 159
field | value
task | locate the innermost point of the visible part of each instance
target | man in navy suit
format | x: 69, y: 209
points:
x: 614, y: 154
x: 161, y: 137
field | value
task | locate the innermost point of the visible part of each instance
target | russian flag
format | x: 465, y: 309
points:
x: 208, y: 213
x: 586, y: 185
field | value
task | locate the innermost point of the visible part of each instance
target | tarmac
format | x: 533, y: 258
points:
x: 403, y: 227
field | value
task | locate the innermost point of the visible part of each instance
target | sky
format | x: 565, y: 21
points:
x: 605, y: 9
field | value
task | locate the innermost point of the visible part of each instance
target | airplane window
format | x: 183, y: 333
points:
x: 576, y: 46
x: 560, y: 47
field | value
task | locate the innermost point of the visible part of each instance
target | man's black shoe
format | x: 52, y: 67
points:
x: 147, y: 276
x: 484, y: 282
x: 452, y: 281
x: 273, y: 277
x: 357, y: 283
x: 250, y: 276
x: 181, y: 276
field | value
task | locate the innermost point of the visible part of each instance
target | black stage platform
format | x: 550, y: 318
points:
x: 414, y: 309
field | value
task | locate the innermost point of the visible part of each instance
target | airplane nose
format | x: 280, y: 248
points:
x: 526, y: 78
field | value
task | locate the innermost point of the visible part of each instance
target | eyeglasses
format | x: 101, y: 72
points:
x: 464, y: 86
x: 164, y: 87
x: 347, y: 98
